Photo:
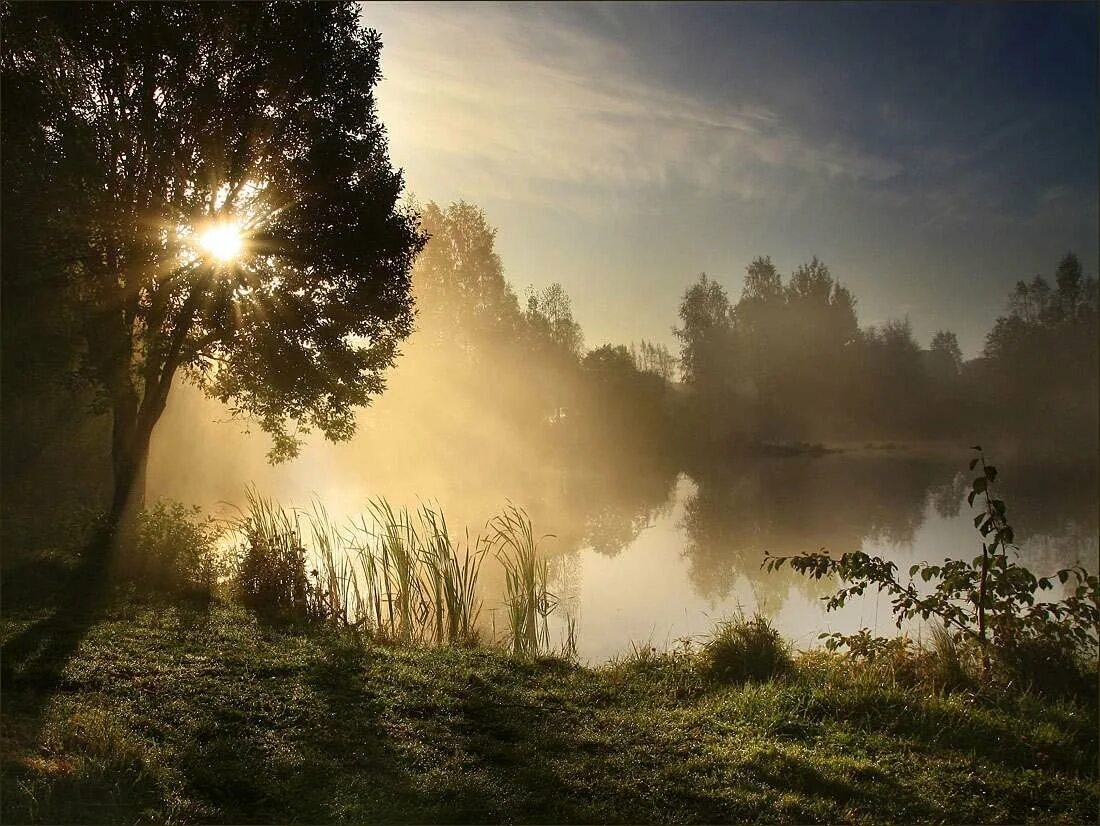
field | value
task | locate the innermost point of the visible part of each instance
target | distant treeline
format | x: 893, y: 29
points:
x: 787, y: 362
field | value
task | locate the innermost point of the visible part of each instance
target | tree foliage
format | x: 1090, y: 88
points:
x: 463, y: 299
x: 945, y: 346
x: 654, y: 357
x: 148, y: 124
x: 704, y: 333
x: 1043, y: 354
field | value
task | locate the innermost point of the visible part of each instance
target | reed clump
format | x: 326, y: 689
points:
x: 398, y: 572
x: 528, y: 597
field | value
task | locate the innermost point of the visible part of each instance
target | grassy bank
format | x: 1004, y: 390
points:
x: 169, y: 713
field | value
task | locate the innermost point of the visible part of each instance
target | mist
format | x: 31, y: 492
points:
x: 780, y: 424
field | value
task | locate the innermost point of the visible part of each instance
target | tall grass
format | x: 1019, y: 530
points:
x: 394, y: 556
x: 453, y: 577
x: 528, y: 598
x: 335, y: 584
x: 394, y: 571
x: 269, y: 566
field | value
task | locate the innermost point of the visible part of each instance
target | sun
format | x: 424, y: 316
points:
x: 223, y: 242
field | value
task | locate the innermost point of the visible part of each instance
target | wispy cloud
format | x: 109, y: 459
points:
x: 545, y: 107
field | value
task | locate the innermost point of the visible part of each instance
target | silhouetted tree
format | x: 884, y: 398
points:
x: 945, y: 346
x: 704, y: 333
x: 654, y: 357
x: 794, y: 338
x: 462, y: 299
x: 707, y: 362
x: 156, y: 123
x: 892, y: 379
x: 1041, y: 359
x: 555, y: 344
x: 550, y: 316
x: 55, y: 449
x: 623, y: 408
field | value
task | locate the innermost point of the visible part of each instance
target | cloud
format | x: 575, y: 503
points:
x: 522, y: 105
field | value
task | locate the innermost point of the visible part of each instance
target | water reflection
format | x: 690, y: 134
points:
x: 652, y: 570
x: 644, y: 551
x: 613, y: 509
x: 787, y: 506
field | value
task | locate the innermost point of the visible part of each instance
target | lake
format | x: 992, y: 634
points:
x: 670, y: 573
x: 648, y: 554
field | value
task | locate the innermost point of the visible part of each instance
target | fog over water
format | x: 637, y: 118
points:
x: 640, y: 553
x: 661, y: 479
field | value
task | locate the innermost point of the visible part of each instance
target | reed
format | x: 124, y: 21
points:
x: 452, y: 577
x: 397, y: 572
x: 269, y: 566
x: 528, y: 598
x: 407, y: 605
x: 336, y: 588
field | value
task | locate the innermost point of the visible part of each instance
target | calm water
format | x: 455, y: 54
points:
x: 652, y: 555
x: 695, y: 558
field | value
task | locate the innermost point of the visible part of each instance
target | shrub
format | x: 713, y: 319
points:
x: 1046, y: 666
x: 746, y: 649
x: 990, y: 603
x: 175, y: 550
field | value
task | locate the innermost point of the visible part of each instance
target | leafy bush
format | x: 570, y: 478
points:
x: 1050, y: 668
x: 746, y: 649
x: 175, y: 550
x: 989, y: 602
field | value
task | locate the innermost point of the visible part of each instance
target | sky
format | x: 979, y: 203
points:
x: 930, y: 154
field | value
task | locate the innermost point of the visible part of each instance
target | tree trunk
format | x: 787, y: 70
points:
x: 131, y: 434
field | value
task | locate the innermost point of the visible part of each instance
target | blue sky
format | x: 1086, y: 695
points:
x: 930, y: 154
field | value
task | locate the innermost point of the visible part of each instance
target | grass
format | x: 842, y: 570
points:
x: 172, y: 712
x: 391, y: 570
x: 746, y: 649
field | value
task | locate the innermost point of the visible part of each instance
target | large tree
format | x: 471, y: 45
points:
x: 209, y: 186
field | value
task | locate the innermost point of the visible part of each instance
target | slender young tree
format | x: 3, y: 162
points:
x: 212, y: 189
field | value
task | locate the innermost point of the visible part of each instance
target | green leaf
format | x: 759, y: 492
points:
x: 990, y: 472
x: 970, y: 498
x: 913, y: 569
x: 978, y: 519
x: 979, y: 484
x: 973, y: 462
